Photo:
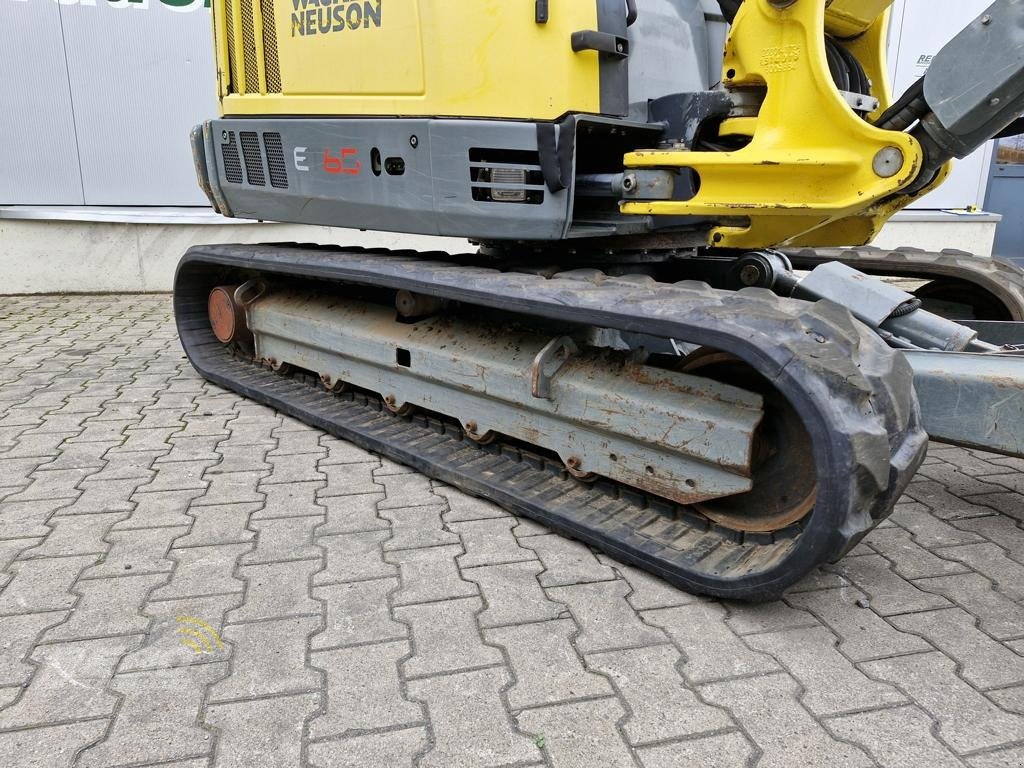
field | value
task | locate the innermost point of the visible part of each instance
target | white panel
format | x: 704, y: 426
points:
x: 142, y: 75
x: 926, y: 26
x: 38, y: 158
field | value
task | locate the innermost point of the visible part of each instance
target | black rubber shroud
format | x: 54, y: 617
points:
x: 854, y: 395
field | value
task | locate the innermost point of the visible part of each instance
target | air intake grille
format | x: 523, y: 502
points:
x: 270, y: 61
x: 252, y: 77
x: 232, y: 164
x: 229, y: 26
x: 253, y: 159
x: 275, y: 160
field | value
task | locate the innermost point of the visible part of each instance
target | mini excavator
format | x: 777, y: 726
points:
x: 669, y: 340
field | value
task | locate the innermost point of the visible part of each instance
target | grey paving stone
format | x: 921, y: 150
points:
x: 580, y: 734
x: 606, y: 620
x: 240, y: 459
x: 107, y: 607
x: 394, y: 749
x: 416, y: 527
x: 445, y: 637
x: 298, y: 440
x: 348, y: 479
x: 967, y: 721
x: 547, y: 668
x: 428, y: 575
x: 53, y: 484
x: 831, y: 684
x: 27, y: 519
x: 195, y: 448
x: 288, y: 538
x: 512, y: 594
x: 890, y: 593
x: 1000, y: 616
x: 947, y: 506
x: 648, y: 591
x: 862, y: 633
x: 767, y: 710
x: 565, y: 561
x: 179, y: 476
x: 75, y: 535
x: 982, y: 661
x: 340, y: 452
x: 662, y: 707
x: 11, y: 549
x: 136, y: 551
x: 277, y: 589
x: 357, y: 613
x: 725, y: 750
x: 265, y: 733
x: 231, y: 488
x: 133, y: 465
x: 269, y: 660
x: 49, y: 699
x: 289, y: 500
x: 157, y: 720
x: 405, y: 490
x: 363, y: 691
x: 900, y: 737
x: 18, y: 635
x: 766, y: 617
x: 1011, y: 699
x: 219, y: 524
x: 354, y: 557
x: 712, y: 650
x: 295, y: 468
x: 471, y: 727
x: 1001, y: 531
x: 910, y: 560
x: 1003, y: 758
x: 1009, y: 504
x: 105, y: 496
x: 202, y: 571
x: 52, y: 746
x: 43, y: 584
x: 462, y: 506
x: 991, y: 561
x: 173, y: 622
x: 490, y: 542
x: 346, y: 514
x: 160, y: 510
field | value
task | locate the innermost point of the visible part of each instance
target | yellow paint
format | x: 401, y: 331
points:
x: 806, y: 177
x: 484, y: 58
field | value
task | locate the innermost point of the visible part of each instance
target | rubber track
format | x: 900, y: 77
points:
x: 1002, y: 279
x: 854, y: 394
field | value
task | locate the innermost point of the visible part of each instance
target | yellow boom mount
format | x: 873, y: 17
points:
x: 814, y: 173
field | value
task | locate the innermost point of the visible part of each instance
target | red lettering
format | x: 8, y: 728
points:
x: 338, y: 164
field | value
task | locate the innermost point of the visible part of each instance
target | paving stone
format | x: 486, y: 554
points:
x: 547, y: 668
x: 831, y: 684
x: 661, y: 705
x: 991, y: 561
x: 159, y: 510
x: 49, y: 699
x: 265, y: 733
x: 648, y: 590
x: 295, y: 468
x: 897, y: 738
x: 300, y: 440
x: 725, y: 750
x: 1009, y: 504
x: 967, y: 721
x: 52, y: 746
x: 712, y: 651
x: 75, y: 535
x: 1000, y: 616
x: 393, y: 749
x: 38, y: 444
x: 428, y: 575
x: 277, y: 589
x: 357, y: 613
x: 346, y: 514
x: 107, y: 607
x: 909, y: 559
x: 136, y: 551
x: 288, y: 538
x: 354, y: 557
x: 290, y: 500
x: 18, y: 635
x: 405, y: 490
x: 766, y: 617
x: 471, y: 727
x: 889, y: 592
x: 269, y: 659
x: 241, y: 459
x: 490, y: 542
x: 53, y: 484
x: 231, y: 488
x: 364, y: 690
x: 1010, y: 699
x: 566, y: 561
x: 445, y: 637
x: 152, y: 433
x: 862, y: 633
x: 157, y: 719
x: 928, y: 530
x: 512, y: 594
x: 219, y: 524
x: 947, y: 506
x: 341, y: 452
x: 105, y: 496
x: 179, y: 476
x: 1004, y: 758
x: 11, y: 549
x: 203, y: 571
x: 580, y: 734
x: 607, y: 621
x: 27, y: 519
x: 462, y: 506
x: 348, y: 479
x: 956, y: 482
x: 768, y: 711
x: 415, y: 527
x: 134, y: 465
x: 196, y: 448
x: 982, y: 661
x: 1001, y: 531
x: 43, y: 584
x: 172, y: 622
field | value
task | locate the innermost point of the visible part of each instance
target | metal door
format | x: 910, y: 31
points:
x: 1006, y: 197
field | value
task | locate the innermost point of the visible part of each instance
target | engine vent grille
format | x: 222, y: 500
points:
x: 253, y: 159
x: 506, y: 176
x: 270, y: 60
x: 232, y: 163
x: 275, y: 160
x: 229, y: 26
x: 256, y: 19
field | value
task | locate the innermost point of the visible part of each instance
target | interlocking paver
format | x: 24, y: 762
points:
x: 262, y: 732
x: 354, y: 557
x: 346, y: 514
x: 18, y: 635
x: 489, y: 542
x: 575, y: 732
x: 51, y: 746
x: 277, y: 589
x: 219, y: 524
x: 429, y: 574
x: 725, y: 750
x: 897, y: 738
x: 1003, y: 758
x: 107, y: 607
x: 1000, y: 616
x: 76, y: 535
x: 289, y: 538
x: 357, y: 613
x: 889, y: 592
x: 137, y: 551
x: 416, y: 527
x: 991, y: 561
x: 292, y: 500
x: 512, y: 594
x: 43, y: 584
x: 607, y: 621
x: 445, y: 637
x: 394, y: 749
x: 199, y: 571
x: 172, y: 621
x: 566, y: 561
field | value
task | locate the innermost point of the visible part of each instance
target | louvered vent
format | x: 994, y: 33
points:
x: 229, y: 26
x: 275, y: 160
x: 270, y: 61
x: 232, y: 163
x: 253, y: 159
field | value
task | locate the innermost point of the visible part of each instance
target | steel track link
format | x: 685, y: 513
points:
x: 854, y: 395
